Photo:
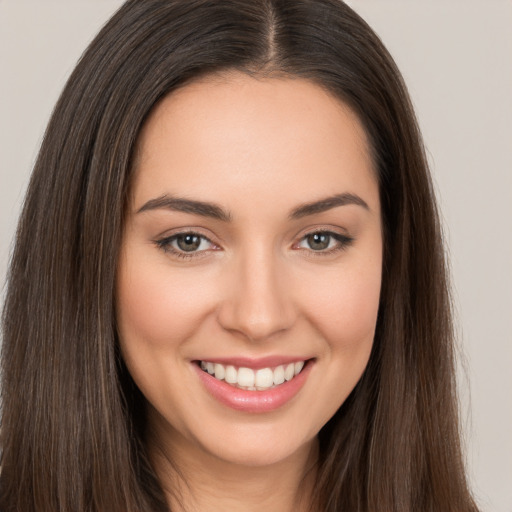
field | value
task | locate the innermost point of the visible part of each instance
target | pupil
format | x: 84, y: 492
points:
x: 188, y: 243
x: 318, y: 241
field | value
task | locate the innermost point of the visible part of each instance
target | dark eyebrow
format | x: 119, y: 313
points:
x: 206, y: 209
x: 326, y: 204
x: 187, y: 206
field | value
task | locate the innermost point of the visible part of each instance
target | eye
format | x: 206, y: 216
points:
x: 324, y: 242
x: 186, y: 244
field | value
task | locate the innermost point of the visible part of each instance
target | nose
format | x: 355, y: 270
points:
x: 257, y: 303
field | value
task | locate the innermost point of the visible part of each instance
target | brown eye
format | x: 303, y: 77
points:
x: 188, y: 242
x: 318, y: 241
x: 325, y: 242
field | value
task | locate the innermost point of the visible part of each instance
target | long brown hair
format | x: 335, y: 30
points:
x: 72, y: 433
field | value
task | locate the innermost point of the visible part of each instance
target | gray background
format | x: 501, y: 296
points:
x: 456, y: 58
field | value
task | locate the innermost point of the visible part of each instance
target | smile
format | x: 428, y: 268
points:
x: 264, y: 388
x: 253, y: 380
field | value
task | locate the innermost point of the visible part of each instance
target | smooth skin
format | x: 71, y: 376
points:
x: 252, y: 281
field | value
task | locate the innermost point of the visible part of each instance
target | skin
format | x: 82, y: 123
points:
x: 258, y: 148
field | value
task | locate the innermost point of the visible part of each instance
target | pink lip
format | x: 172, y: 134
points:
x: 253, y: 401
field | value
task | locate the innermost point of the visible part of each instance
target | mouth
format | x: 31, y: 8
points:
x: 248, y: 379
x: 254, y: 387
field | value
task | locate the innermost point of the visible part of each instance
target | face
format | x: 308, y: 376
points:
x: 250, y: 269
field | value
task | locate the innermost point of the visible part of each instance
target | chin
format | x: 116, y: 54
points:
x: 259, y: 449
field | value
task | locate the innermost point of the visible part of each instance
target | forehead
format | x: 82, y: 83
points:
x: 278, y: 138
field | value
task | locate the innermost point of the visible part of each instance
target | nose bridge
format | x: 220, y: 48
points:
x: 257, y: 304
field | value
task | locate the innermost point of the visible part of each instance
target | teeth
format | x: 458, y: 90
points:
x: 231, y: 375
x: 247, y: 378
x: 289, y: 371
x: 264, y: 378
x: 279, y: 375
x: 220, y: 372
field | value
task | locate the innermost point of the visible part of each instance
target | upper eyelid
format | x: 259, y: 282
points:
x: 165, y: 244
x: 333, y: 230
x: 300, y: 235
x: 174, y: 236
x: 340, y: 237
x: 167, y: 240
x: 169, y: 234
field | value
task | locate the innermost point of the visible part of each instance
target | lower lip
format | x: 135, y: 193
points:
x: 254, y: 401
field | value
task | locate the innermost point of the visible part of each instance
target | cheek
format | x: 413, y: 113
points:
x: 159, y: 307
x: 157, y: 312
x: 346, y: 319
x: 349, y: 316
x: 341, y: 305
x: 344, y: 306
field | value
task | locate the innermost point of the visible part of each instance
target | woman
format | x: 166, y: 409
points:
x: 238, y: 297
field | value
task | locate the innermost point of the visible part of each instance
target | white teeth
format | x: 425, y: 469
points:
x: 289, y: 372
x: 279, y: 375
x: 252, y: 380
x: 220, y: 372
x: 264, y: 378
x: 246, y: 377
x: 231, y: 375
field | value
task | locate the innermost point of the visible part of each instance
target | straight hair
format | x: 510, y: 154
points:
x: 73, y: 422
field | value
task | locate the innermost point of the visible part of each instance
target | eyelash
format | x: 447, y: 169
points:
x: 344, y: 242
x: 165, y: 245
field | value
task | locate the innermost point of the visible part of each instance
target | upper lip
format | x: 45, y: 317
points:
x: 255, y: 363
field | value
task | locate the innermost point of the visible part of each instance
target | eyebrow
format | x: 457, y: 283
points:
x: 179, y: 204
x: 214, y: 211
x: 328, y: 203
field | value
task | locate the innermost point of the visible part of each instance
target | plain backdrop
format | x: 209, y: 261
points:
x: 456, y: 57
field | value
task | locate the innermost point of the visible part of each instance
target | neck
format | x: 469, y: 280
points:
x: 197, y: 481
